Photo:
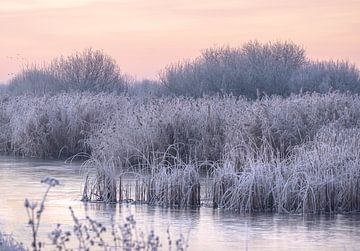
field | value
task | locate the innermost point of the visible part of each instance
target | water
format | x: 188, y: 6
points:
x: 207, y: 229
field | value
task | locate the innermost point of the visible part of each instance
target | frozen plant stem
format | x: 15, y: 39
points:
x: 34, y: 213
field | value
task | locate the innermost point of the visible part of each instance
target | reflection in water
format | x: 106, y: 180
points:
x: 208, y: 229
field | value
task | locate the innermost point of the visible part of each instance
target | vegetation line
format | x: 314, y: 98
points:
x: 272, y: 130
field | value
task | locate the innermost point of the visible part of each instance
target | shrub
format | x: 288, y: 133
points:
x: 255, y: 69
x: 250, y: 70
x: 325, y: 76
x: 269, y: 67
x: 89, y: 70
x: 145, y: 89
x: 35, y: 80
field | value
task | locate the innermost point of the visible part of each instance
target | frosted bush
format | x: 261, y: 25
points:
x: 89, y: 70
x: 324, y: 76
x: 255, y: 69
x: 249, y: 70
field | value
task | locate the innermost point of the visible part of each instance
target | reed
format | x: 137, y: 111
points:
x: 100, y: 183
x: 128, y: 131
x: 256, y: 151
x: 32, y: 127
x: 174, y: 186
x: 167, y: 185
x: 322, y: 176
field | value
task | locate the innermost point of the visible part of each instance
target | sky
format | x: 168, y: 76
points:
x: 144, y: 36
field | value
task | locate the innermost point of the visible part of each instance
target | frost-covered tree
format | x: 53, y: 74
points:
x: 89, y: 70
x: 35, y: 80
x: 146, y: 88
x: 2, y: 87
x: 214, y: 71
x: 269, y: 67
x: 254, y: 68
x: 324, y: 76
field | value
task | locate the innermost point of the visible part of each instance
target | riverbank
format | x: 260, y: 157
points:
x: 295, y: 154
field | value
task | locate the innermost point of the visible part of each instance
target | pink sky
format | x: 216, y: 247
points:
x: 144, y: 36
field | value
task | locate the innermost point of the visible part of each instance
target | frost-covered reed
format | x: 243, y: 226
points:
x: 174, y: 186
x: 51, y: 127
x: 160, y: 184
x: 101, y: 181
x: 271, y: 154
x: 322, y: 175
x: 134, y: 133
x: 212, y: 129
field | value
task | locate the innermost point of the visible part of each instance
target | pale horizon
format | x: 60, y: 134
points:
x: 144, y: 37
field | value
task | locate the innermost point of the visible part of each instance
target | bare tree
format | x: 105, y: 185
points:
x: 89, y: 70
x: 324, y: 76
x: 269, y: 67
x: 34, y: 80
x: 247, y: 70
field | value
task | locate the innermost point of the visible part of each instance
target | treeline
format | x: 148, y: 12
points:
x: 255, y: 69
x: 252, y: 70
x: 274, y: 132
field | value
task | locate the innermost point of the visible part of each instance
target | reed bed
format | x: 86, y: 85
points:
x: 101, y: 185
x: 134, y: 133
x: 176, y: 185
x: 295, y: 154
x: 209, y: 129
x: 51, y: 126
x: 322, y: 175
